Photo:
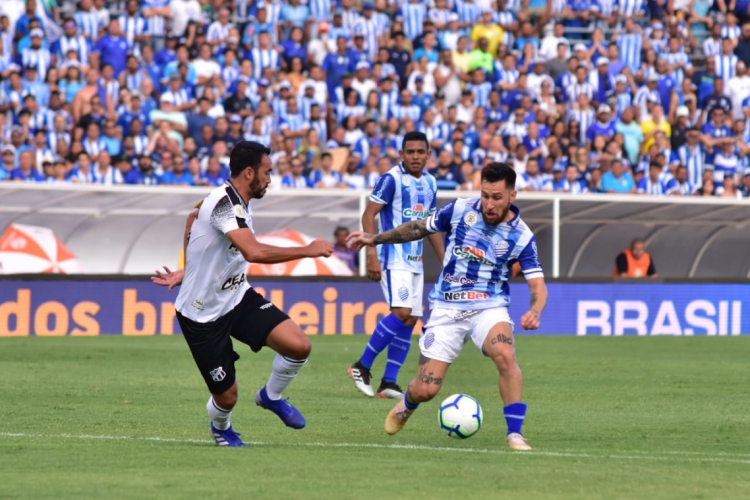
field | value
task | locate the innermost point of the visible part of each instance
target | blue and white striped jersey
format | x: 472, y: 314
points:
x: 77, y: 43
x: 132, y: 27
x: 88, y: 24
x: 406, y: 199
x: 726, y: 66
x: 320, y: 9
x: 414, y: 16
x: 730, y: 32
x: 631, y: 47
x: 694, y: 160
x: 157, y: 25
x: 262, y: 59
x: 479, y: 257
x: 370, y: 30
x: 676, y: 57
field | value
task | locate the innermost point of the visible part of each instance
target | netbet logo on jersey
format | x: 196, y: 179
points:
x: 417, y: 211
x: 234, y: 282
x: 464, y: 295
x: 473, y: 254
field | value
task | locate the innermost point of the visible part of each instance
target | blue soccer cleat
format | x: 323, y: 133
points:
x: 281, y: 407
x: 227, y: 438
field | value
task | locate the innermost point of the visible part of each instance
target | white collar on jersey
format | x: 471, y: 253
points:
x: 516, y: 213
x: 244, y: 205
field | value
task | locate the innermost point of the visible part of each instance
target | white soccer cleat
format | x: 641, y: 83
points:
x: 361, y: 377
x: 397, y: 418
x: 517, y: 442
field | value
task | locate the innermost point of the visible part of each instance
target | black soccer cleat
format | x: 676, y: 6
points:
x: 389, y: 390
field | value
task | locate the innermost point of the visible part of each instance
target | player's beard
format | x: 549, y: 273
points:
x: 256, y: 192
x: 499, y: 217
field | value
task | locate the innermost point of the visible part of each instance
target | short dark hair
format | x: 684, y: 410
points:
x: 497, y: 171
x: 415, y: 136
x: 247, y: 154
x: 340, y: 228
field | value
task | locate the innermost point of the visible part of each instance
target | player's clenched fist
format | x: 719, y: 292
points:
x: 359, y: 239
x: 320, y: 248
x: 530, y: 320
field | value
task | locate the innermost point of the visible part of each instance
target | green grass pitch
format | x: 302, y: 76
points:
x: 614, y: 418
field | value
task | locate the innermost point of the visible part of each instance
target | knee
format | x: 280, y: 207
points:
x: 300, y: 348
x: 505, y: 360
x: 420, y: 392
x: 228, y: 398
x: 404, y: 314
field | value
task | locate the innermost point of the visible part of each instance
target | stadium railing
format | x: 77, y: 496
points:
x: 134, y: 229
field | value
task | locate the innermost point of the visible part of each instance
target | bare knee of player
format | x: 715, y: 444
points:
x: 228, y: 398
x: 504, y: 357
x: 289, y: 340
x: 404, y: 314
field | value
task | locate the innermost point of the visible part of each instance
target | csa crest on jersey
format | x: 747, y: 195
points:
x: 501, y: 247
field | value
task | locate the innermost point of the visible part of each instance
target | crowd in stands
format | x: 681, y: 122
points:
x: 603, y: 96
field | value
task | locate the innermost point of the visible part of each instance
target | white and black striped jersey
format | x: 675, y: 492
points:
x: 215, y: 279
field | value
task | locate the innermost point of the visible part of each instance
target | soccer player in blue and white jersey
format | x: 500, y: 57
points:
x: 484, y: 237
x: 404, y: 194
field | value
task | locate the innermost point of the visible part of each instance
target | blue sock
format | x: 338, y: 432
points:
x: 409, y: 405
x: 380, y: 338
x: 398, y: 349
x: 514, y: 415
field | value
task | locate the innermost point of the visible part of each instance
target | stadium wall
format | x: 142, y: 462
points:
x: 99, y: 306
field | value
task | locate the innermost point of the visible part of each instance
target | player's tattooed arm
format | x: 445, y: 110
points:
x: 411, y: 231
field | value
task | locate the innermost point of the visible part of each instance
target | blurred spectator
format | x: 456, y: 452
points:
x: 341, y: 250
x: 653, y: 96
x: 635, y: 262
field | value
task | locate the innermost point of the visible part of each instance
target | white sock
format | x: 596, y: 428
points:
x: 284, y: 371
x: 218, y: 415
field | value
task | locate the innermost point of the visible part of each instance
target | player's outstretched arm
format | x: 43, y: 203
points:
x: 530, y: 320
x: 410, y: 231
x: 260, y: 253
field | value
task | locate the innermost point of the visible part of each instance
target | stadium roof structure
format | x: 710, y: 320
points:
x: 136, y: 229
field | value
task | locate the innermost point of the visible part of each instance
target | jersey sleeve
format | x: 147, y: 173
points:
x: 384, y: 190
x: 529, y: 260
x: 225, y: 217
x: 440, y: 221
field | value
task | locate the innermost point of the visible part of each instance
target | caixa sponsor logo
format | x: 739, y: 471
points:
x: 417, y: 211
x: 461, y: 280
x: 413, y: 258
x: 234, y: 282
x: 465, y: 295
x: 628, y: 317
x: 473, y: 254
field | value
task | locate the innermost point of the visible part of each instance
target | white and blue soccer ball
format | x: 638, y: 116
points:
x: 460, y: 416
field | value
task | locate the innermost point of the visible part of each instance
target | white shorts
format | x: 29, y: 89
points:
x: 403, y: 289
x: 448, y: 330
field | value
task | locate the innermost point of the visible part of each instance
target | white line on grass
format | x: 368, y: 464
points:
x: 674, y: 454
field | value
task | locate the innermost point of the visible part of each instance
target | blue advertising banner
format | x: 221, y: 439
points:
x: 56, y: 307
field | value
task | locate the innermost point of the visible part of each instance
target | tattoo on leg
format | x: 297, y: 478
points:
x: 423, y: 360
x: 502, y: 339
x: 427, y: 378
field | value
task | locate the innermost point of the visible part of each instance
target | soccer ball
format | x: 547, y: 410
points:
x: 460, y: 416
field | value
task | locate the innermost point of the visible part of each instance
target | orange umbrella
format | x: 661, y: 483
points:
x: 320, y: 266
x: 33, y: 249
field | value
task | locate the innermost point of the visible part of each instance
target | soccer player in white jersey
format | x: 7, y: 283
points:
x: 484, y: 237
x: 404, y: 193
x: 216, y: 303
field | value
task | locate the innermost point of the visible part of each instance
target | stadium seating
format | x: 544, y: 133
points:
x: 580, y: 96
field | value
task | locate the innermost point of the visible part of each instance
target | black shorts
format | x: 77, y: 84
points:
x: 250, y: 322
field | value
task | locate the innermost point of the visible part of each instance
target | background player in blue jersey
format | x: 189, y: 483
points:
x: 405, y: 193
x: 484, y: 238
